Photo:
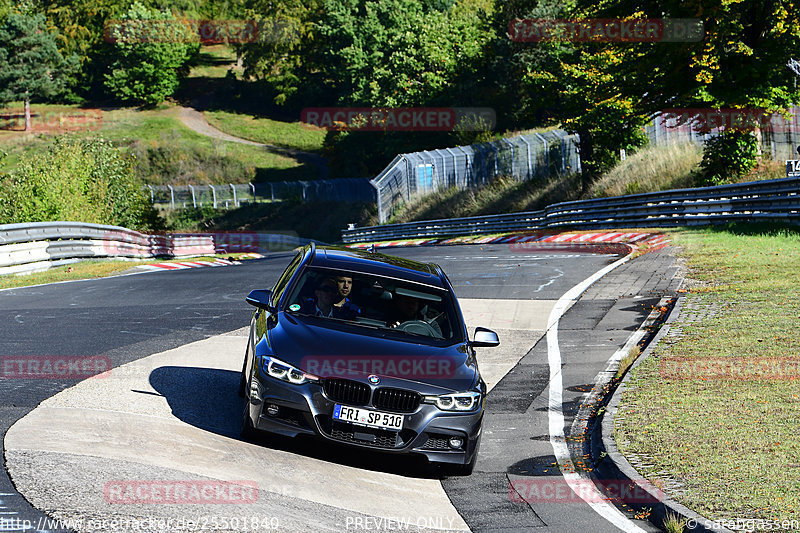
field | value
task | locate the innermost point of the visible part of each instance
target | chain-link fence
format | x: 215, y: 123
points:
x: 778, y: 135
x: 233, y: 195
x: 523, y: 157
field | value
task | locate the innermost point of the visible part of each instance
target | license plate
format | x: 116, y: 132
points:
x: 366, y: 417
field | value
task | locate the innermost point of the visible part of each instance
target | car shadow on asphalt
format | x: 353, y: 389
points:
x: 207, y: 399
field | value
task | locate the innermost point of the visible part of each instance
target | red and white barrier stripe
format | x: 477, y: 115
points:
x: 186, y: 264
x: 651, y: 239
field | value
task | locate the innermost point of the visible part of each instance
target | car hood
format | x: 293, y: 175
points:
x: 331, y: 349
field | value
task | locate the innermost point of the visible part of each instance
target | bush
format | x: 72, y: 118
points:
x: 170, y: 161
x: 728, y: 156
x: 76, y: 180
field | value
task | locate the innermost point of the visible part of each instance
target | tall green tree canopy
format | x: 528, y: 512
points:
x: 151, y: 52
x: 607, y: 90
x: 30, y: 63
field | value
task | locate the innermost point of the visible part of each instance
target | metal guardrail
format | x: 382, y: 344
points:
x: 34, y: 246
x: 775, y: 200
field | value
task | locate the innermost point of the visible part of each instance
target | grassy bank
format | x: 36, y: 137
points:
x: 86, y: 270
x: 166, y: 151
x: 268, y: 131
x: 724, y: 426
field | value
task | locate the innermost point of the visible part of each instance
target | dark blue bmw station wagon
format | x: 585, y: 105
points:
x: 367, y: 350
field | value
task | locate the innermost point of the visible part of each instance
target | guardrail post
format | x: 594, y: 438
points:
x: 455, y: 168
x: 443, y: 178
x: 253, y: 188
x: 406, y: 175
x: 528, y: 145
x: 214, y: 195
x: 512, y: 155
x: 194, y: 200
x: 171, y: 197
x: 235, y: 201
x: 496, y: 156
x: 467, y: 164
x: 546, y: 152
x: 152, y: 195
x: 381, y: 214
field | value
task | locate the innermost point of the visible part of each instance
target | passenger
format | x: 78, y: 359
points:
x: 345, y: 285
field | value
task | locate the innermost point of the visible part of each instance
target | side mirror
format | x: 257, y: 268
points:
x: 260, y: 298
x: 485, y: 338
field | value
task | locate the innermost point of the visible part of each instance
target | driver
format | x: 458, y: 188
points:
x: 409, y: 308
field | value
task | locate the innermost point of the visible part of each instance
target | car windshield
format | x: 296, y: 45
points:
x: 408, y: 309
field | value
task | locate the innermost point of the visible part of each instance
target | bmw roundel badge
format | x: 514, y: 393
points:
x: 374, y: 379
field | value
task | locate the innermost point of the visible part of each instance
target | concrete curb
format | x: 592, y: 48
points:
x: 662, y: 505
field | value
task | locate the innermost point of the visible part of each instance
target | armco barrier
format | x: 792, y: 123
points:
x: 772, y: 200
x: 33, y: 246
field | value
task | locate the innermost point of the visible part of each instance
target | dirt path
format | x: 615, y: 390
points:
x: 194, y: 120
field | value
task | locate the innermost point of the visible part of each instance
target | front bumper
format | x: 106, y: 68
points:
x: 306, y: 410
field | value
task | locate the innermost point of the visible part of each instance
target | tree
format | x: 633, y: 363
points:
x: 30, y: 63
x: 151, y: 50
x: 606, y: 90
x: 80, y: 27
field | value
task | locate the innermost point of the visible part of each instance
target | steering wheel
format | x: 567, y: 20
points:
x: 418, y: 327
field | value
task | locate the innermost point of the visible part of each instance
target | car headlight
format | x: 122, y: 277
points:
x: 459, y: 401
x: 285, y: 372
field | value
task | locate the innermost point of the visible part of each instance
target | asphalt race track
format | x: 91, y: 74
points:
x: 168, y: 409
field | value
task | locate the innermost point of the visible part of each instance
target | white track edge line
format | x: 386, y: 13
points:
x: 556, y: 414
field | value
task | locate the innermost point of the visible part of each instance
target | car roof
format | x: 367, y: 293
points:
x: 347, y: 259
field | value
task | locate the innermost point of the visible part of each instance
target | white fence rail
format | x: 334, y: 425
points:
x: 34, y: 246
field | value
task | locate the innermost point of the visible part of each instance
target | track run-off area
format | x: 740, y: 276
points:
x: 167, y: 413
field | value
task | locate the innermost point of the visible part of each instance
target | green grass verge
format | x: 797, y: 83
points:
x: 731, y: 443
x: 88, y: 270
x: 215, y: 62
x: 265, y: 130
x: 503, y: 195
